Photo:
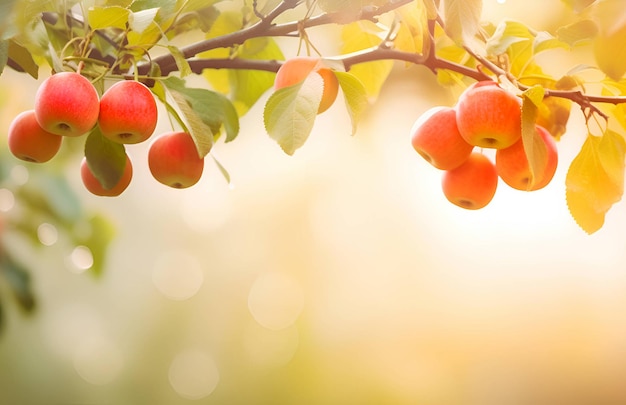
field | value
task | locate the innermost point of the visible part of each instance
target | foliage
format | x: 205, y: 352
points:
x: 238, y: 53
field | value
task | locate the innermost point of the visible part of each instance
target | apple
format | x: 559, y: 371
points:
x: 489, y: 116
x: 435, y: 136
x: 513, y: 167
x: 173, y: 160
x: 471, y: 185
x: 128, y: 112
x: 67, y: 104
x: 91, y: 183
x: 28, y: 141
x: 297, y: 69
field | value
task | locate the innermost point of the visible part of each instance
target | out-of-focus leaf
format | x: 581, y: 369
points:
x: 290, y: 112
x: 413, y: 27
x: 578, y: 32
x: 610, y: 52
x: 247, y: 86
x: 23, y: 58
x: 347, y: 6
x: 106, y: 159
x: 578, y: 5
x: 595, y: 179
x: 462, y: 19
x: 98, y: 239
x: 363, y: 35
x: 18, y: 279
x: 225, y: 23
x: 354, y: 95
x: 4, y: 54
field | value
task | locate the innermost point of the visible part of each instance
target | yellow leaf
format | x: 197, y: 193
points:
x: 363, y: 35
x: 413, y: 27
x: 226, y: 22
x: 534, y: 148
x: 595, y: 179
x: 462, y: 19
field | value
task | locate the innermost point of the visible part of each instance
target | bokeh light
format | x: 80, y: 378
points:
x: 177, y: 275
x: 193, y: 374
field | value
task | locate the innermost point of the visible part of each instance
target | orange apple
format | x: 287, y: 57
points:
x: 28, y: 141
x: 296, y: 70
x: 471, y: 185
x: 513, y: 167
x: 92, y: 184
x: 489, y: 116
x: 128, y: 112
x: 435, y: 136
x: 67, y: 104
x: 173, y: 160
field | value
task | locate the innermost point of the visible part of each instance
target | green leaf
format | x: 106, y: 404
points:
x: 19, y: 281
x: 536, y: 152
x: 595, y: 179
x: 290, y: 112
x: 355, y: 96
x: 207, y: 112
x: 101, y: 233
x: 364, y: 35
x: 506, y: 34
x: 222, y: 169
x: 462, y: 19
x: 181, y: 62
x: 106, y: 159
x: 23, y: 58
x: 247, y: 86
x: 139, y: 21
x: 108, y: 17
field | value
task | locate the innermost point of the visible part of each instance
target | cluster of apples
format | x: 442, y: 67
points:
x: 68, y: 105
x: 486, y: 116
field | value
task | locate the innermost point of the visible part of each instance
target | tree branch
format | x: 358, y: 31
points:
x: 266, y: 28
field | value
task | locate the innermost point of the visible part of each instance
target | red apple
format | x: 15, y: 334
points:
x: 471, y: 185
x: 489, y: 116
x: 128, y: 112
x: 67, y: 104
x: 436, y: 138
x: 92, y: 184
x: 28, y: 141
x: 513, y: 167
x: 296, y: 70
x: 173, y: 160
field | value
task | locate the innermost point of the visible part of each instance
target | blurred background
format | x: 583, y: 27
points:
x: 339, y: 275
